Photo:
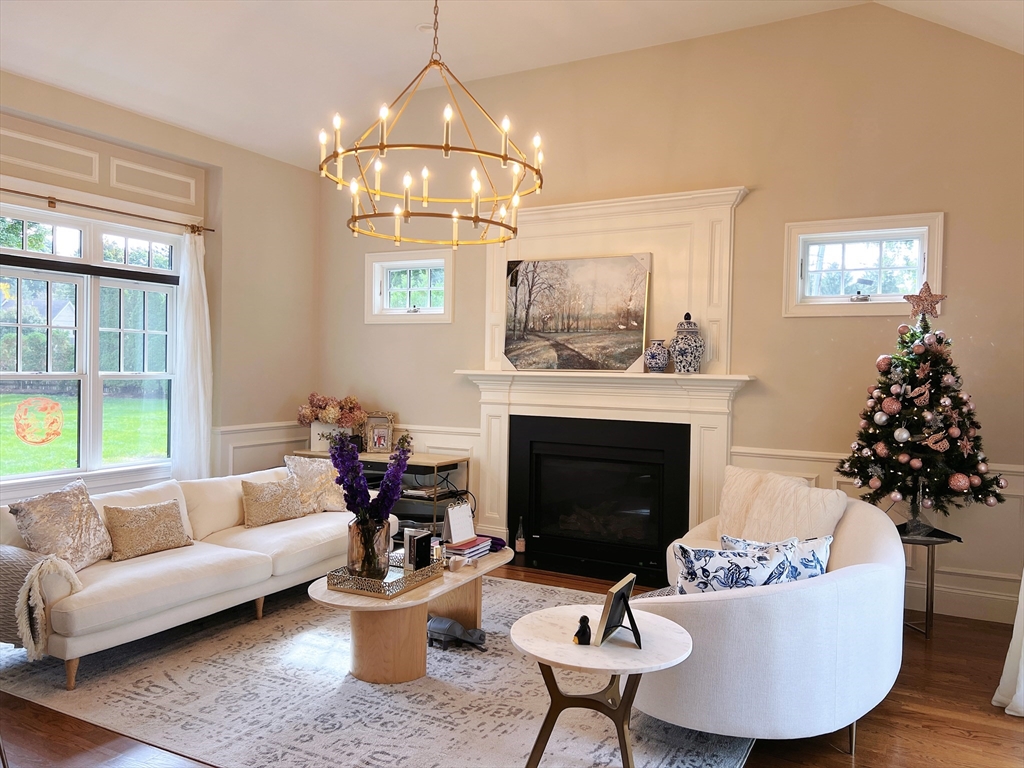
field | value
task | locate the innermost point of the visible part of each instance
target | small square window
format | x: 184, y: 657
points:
x: 409, y: 287
x: 860, y: 266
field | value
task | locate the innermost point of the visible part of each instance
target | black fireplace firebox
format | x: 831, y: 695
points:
x: 597, y: 497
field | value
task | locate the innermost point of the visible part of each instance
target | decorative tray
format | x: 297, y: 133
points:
x: 397, y: 581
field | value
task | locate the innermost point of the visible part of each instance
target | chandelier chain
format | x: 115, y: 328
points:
x: 435, y: 56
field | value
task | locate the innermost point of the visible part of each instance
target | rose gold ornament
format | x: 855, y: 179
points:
x: 903, y: 329
x: 929, y: 340
x: 927, y: 503
x: 982, y: 468
x: 874, y: 483
x: 872, y: 388
x: 877, y: 394
x: 948, y: 380
x: 883, y: 363
x: 903, y: 458
x: 881, y: 449
x: 972, y: 432
x: 895, y: 389
x: 975, y: 481
x: 854, y: 446
x: 892, y: 406
x: 991, y: 501
x: 959, y: 482
x: 857, y: 482
x: 1001, y: 483
x: 866, y: 453
x: 864, y: 424
x: 896, y: 496
x: 954, y: 432
x: 871, y: 403
x: 916, y: 463
x: 918, y: 348
x: 945, y: 401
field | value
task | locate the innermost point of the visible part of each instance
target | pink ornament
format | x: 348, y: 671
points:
x: 927, y: 503
x: 930, y: 339
x: 948, y: 380
x: 872, y: 388
x: 972, y: 432
x: 857, y: 482
x: 971, y: 407
x: 877, y: 394
x: 991, y: 501
x: 854, y: 446
x: 940, y: 335
x: 1001, y: 483
x: 927, y: 415
x: 953, y: 432
x: 903, y: 329
x: 916, y: 463
x: 959, y: 482
x: 874, y: 483
x: 871, y: 403
x: 883, y: 363
x: 892, y: 406
x: 975, y: 481
x: 945, y: 401
x: 964, y: 396
x: 918, y: 348
x: 864, y: 424
x: 896, y: 389
x: 896, y: 496
x: 982, y: 468
x: 903, y: 458
x: 866, y: 453
x: 882, y: 450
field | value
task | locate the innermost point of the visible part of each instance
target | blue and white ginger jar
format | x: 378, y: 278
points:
x: 656, y: 356
x: 687, y: 347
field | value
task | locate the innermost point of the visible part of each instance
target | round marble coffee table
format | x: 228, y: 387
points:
x: 546, y: 637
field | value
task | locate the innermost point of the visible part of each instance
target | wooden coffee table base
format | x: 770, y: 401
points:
x: 608, y: 702
x: 389, y: 646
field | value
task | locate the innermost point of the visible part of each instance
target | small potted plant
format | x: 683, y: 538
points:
x: 369, y: 533
x: 328, y: 415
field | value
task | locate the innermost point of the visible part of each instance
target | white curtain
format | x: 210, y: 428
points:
x: 192, y: 395
x: 1010, y: 693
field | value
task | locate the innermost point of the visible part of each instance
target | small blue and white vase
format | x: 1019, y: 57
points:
x: 656, y: 356
x: 687, y: 347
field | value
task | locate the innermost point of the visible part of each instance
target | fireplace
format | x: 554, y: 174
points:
x: 598, y: 497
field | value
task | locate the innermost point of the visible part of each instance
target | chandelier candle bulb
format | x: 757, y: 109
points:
x: 323, y: 152
x: 377, y: 166
x: 407, y: 183
x: 398, y: 225
x: 337, y: 132
x: 515, y: 210
x: 353, y: 187
x: 425, y: 174
x: 446, y: 148
x: 383, y: 130
x: 476, y: 202
x: 455, y: 229
x: 505, y: 125
x: 536, y: 149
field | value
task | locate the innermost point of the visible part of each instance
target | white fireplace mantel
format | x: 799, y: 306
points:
x: 702, y: 401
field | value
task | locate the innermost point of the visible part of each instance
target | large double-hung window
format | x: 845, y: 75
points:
x: 86, y: 343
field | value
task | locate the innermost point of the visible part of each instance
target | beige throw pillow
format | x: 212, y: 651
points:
x: 64, y: 523
x: 317, y: 489
x: 739, y: 497
x: 137, y: 531
x: 783, y: 509
x: 271, y: 502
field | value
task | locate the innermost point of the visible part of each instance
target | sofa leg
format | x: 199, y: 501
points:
x: 851, y: 731
x: 70, y: 670
x: 259, y: 608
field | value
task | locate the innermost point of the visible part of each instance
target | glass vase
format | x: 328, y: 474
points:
x: 369, y: 545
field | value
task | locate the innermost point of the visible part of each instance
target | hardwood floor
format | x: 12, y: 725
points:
x: 938, y: 715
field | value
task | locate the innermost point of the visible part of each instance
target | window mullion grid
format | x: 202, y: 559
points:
x: 93, y: 397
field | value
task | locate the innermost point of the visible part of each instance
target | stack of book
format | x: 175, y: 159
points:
x: 475, y: 547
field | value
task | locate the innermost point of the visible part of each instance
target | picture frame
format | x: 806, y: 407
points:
x: 378, y: 432
x: 616, y: 609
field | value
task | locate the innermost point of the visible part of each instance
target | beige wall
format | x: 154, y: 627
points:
x: 858, y: 112
x: 260, y: 262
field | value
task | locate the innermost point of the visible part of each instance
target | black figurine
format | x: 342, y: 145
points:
x: 582, y: 636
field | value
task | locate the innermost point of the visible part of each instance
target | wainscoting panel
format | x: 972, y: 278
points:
x: 245, y: 448
x: 978, y: 579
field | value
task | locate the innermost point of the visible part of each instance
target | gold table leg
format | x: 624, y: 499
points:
x: 607, y: 701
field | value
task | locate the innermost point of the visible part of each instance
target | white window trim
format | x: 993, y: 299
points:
x: 841, y: 306
x: 87, y: 348
x: 377, y: 265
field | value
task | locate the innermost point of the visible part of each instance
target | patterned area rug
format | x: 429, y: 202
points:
x: 233, y: 691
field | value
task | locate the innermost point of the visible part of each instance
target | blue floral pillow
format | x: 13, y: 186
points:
x: 808, y: 558
x: 713, y: 570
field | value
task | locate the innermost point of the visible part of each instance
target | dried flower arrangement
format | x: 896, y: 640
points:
x: 345, y: 412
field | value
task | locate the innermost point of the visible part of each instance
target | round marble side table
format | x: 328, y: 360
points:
x: 546, y: 637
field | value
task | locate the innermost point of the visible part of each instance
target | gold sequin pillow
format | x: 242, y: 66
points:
x: 271, y: 502
x: 317, y: 489
x: 137, y: 531
x: 63, y: 523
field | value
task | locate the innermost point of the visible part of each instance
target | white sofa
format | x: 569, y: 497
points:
x: 791, y: 660
x: 228, y: 564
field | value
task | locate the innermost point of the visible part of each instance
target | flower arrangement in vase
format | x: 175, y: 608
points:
x: 369, y: 533
x: 326, y: 415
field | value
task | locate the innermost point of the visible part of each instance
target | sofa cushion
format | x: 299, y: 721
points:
x: 740, y: 495
x: 713, y: 570
x: 137, y: 531
x: 116, y: 593
x: 9, y: 534
x: 317, y: 488
x: 808, y: 558
x: 272, y: 502
x: 782, y: 510
x: 216, y: 502
x: 142, y: 497
x: 292, y: 544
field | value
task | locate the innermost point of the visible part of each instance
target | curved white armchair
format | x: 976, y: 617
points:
x: 789, y: 660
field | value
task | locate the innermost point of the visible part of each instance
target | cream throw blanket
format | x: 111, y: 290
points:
x: 28, y: 609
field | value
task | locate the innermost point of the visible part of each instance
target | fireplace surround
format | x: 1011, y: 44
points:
x: 598, y: 497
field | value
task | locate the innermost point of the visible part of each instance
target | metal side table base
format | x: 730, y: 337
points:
x: 608, y: 702
x: 929, y: 541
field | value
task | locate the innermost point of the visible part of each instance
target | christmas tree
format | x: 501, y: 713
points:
x: 919, y: 439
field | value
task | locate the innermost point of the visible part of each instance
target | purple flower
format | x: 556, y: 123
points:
x: 345, y: 458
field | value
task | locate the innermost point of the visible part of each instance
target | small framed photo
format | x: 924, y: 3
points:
x: 378, y: 431
x: 616, y: 610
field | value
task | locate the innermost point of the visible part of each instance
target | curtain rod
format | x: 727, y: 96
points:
x: 52, y: 203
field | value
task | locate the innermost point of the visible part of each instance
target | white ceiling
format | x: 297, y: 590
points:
x: 267, y: 75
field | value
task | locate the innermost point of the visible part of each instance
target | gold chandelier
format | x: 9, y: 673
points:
x: 491, y: 212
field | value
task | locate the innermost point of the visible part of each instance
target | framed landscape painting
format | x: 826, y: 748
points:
x: 581, y: 314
